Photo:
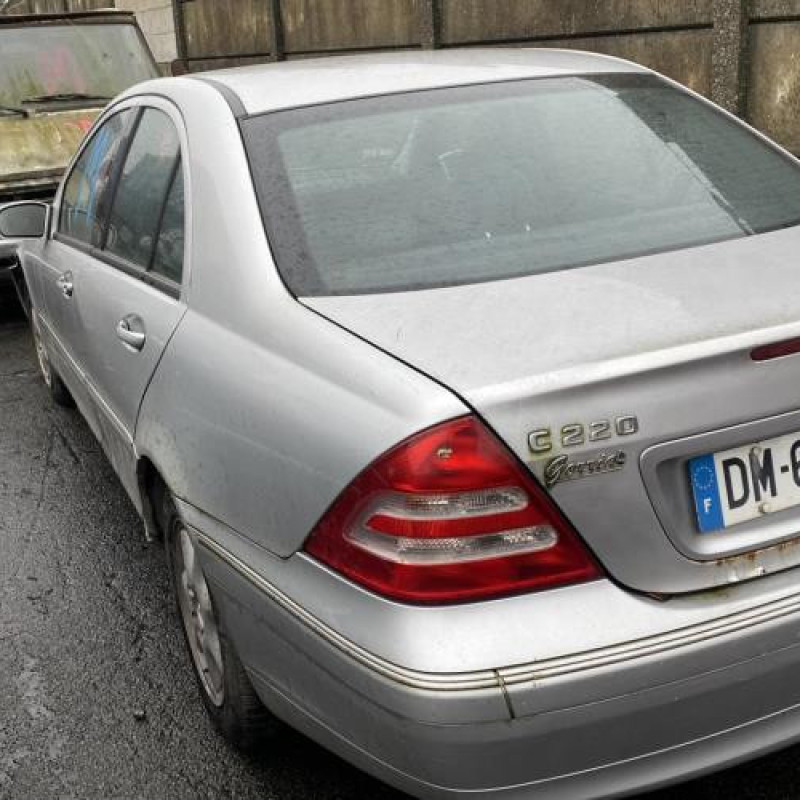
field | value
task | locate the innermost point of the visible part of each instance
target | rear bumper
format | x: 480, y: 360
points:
x: 566, y: 755
x: 619, y: 721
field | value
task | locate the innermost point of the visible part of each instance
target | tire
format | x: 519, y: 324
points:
x: 226, y: 691
x: 52, y: 380
x: 21, y: 288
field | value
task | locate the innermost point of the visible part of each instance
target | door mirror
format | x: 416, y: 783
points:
x: 27, y: 220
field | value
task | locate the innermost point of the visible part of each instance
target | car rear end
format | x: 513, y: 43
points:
x: 606, y: 692
x: 584, y: 583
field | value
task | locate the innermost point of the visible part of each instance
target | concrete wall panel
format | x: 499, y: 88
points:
x: 323, y: 25
x: 684, y: 56
x: 770, y: 9
x: 156, y: 20
x: 773, y: 97
x: 498, y: 20
x: 231, y: 28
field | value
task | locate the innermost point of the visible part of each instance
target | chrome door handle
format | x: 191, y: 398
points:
x: 132, y: 338
x: 64, y: 282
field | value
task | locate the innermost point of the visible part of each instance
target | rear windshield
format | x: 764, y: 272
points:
x: 480, y: 183
x: 91, y: 59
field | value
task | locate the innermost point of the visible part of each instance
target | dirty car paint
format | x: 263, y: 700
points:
x: 42, y: 144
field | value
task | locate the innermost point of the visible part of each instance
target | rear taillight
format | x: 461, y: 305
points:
x: 765, y: 352
x: 447, y: 516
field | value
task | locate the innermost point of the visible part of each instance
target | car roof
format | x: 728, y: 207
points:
x: 99, y: 15
x: 291, y: 84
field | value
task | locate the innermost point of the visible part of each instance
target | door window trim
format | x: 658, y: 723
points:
x: 127, y: 138
x: 138, y: 105
x: 117, y: 176
x: 177, y: 166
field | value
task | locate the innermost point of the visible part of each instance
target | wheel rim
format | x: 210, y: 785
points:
x: 41, y: 354
x: 197, y: 614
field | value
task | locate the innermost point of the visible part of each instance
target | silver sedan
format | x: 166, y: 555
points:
x: 462, y: 389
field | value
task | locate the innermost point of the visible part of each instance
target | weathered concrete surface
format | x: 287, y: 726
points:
x: 497, y: 20
x: 770, y: 9
x: 684, y: 56
x: 430, y: 24
x: 157, y: 22
x: 233, y: 27
x: 729, y: 54
x: 314, y: 26
x: 773, y: 95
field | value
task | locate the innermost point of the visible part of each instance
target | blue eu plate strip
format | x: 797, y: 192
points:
x: 706, y: 494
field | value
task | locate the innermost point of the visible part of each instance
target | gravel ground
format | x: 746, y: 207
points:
x: 97, y: 699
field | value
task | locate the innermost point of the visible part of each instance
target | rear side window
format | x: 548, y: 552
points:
x: 87, y: 191
x: 479, y: 183
x: 144, y: 187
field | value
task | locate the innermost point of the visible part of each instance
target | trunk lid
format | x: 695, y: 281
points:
x: 652, y: 357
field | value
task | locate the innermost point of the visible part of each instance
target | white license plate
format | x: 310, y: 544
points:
x: 744, y: 483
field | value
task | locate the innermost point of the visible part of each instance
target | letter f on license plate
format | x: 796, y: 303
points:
x: 747, y: 482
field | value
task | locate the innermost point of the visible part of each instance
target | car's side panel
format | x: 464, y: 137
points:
x: 49, y: 270
x: 118, y: 373
x: 555, y: 637
x: 118, y: 304
x: 265, y: 436
x: 245, y: 414
x: 586, y: 733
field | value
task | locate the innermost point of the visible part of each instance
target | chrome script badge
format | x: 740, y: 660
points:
x: 560, y: 468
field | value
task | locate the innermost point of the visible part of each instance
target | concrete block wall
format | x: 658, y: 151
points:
x: 157, y: 22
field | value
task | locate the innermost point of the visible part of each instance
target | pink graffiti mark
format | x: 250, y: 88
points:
x: 59, y: 72
x: 83, y: 125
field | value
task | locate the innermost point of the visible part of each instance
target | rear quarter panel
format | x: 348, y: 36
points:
x: 261, y: 411
x: 263, y: 434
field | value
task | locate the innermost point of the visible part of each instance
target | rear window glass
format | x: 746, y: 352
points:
x: 455, y: 186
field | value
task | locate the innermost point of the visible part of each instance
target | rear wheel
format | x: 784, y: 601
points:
x: 226, y: 690
x: 51, y: 378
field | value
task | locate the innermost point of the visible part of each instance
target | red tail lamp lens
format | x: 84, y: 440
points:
x: 449, y: 516
x: 766, y: 352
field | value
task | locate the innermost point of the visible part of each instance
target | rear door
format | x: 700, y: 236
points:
x: 132, y: 289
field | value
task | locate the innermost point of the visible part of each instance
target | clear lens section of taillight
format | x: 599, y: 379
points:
x: 398, y: 527
x: 448, y: 516
x: 406, y: 550
x: 453, y: 505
